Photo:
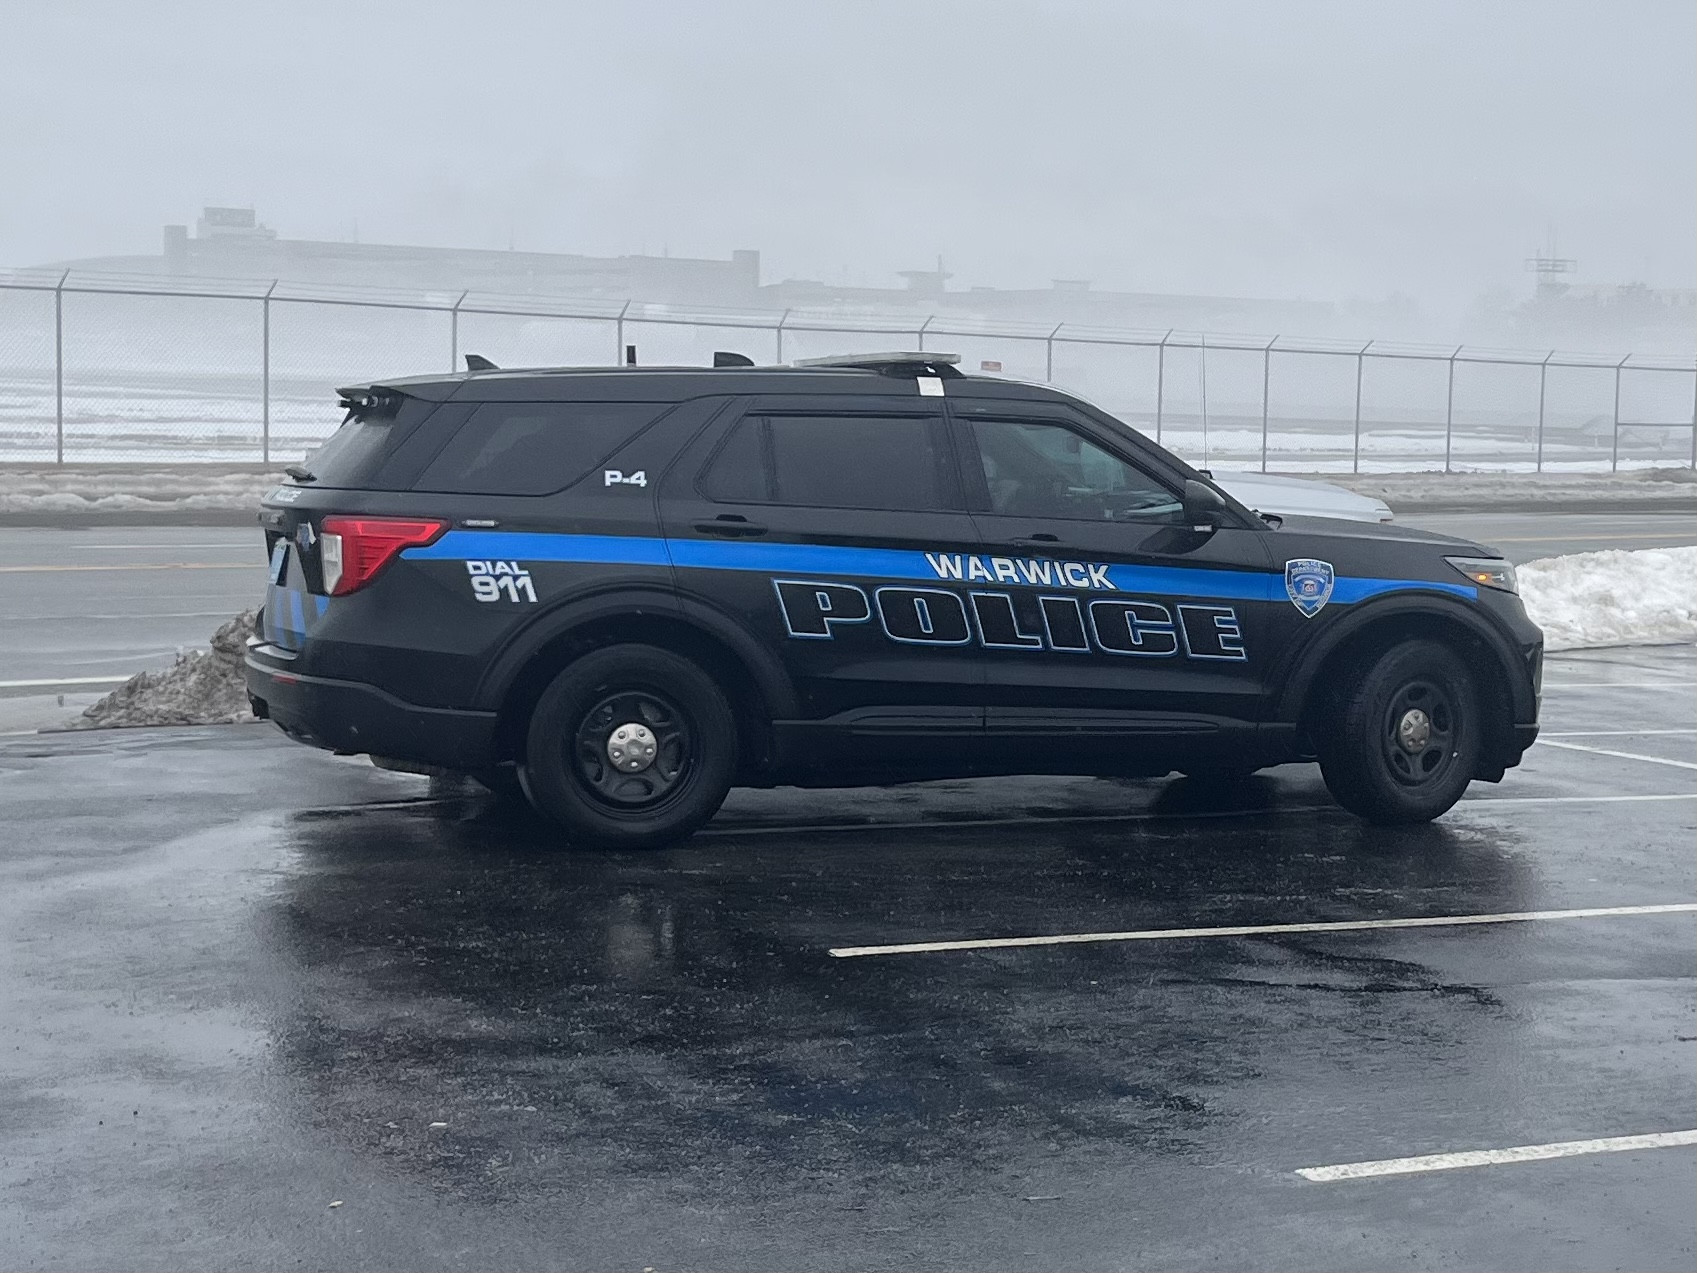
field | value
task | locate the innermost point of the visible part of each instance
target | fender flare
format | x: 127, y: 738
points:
x: 623, y: 601
x: 1297, y: 676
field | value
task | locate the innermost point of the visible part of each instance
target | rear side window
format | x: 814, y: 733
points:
x: 532, y: 448
x: 877, y: 462
x: 352, y: 456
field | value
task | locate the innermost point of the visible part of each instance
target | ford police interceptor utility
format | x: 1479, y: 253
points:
x: 624, y: 590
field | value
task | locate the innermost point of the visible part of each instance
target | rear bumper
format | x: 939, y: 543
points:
x: 352, y: 717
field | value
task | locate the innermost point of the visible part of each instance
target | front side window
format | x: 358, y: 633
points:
x: 1049, y: 471
x: 873, y: 462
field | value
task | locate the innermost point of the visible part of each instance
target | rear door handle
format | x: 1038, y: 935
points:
x: 1042, y: 539
x: 731, y: 526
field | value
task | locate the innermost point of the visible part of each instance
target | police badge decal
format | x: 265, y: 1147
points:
x: 1308, y: 583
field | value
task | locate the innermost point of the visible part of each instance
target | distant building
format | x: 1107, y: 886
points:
x: 231, y: 243
x: 1627, y: 317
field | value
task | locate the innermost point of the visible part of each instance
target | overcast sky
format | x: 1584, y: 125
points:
x: 1271, y: 149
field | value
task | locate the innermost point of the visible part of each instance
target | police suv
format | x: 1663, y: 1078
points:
x: 625, y: 590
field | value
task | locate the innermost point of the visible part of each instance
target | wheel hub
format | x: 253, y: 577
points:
x: 631, y: 747
x: 1414, y: 730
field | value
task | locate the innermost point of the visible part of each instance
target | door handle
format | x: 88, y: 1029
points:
x: 1042, y: 539
x: 731, y: 526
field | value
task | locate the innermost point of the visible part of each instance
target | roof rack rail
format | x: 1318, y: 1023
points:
x: 892, y: 364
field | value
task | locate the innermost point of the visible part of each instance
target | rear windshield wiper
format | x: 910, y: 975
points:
x: 300, y: 474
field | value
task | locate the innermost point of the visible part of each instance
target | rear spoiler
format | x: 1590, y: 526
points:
x: 369, y: 400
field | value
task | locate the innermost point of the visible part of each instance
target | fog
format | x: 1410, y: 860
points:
x: 1299, y: 150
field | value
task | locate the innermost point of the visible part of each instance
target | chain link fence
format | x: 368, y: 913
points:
x: 102, y: 369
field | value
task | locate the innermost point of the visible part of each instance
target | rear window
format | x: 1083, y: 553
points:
x: 532, y: 448
x: 353, y: 454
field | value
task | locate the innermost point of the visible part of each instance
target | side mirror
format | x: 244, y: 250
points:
x: 1203, y: 507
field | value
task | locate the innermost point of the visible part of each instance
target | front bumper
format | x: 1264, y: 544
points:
x: 352, y: 718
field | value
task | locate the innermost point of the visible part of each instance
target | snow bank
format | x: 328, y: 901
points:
x: 1411, y: 493
x: 185, y: 488
x: 199, y: 689
x: 1613, y: 598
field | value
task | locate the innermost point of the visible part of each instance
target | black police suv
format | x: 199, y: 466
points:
x: 625, y: 590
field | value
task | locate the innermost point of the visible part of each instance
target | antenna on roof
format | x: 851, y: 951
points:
x: 477, y: 362
x: 725, y: 358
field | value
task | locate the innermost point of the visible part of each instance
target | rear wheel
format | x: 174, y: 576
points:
x: 630, y: 747
x: 1404, y: 739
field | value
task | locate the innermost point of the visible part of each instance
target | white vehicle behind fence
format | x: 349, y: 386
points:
x: 1298, y: 497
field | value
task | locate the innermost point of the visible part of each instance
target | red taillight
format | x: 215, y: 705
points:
x: 353, y: 550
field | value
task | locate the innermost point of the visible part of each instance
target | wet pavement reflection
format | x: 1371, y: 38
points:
x: 310, y: 983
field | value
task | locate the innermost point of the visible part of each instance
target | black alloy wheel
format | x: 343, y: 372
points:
x: 631, y: 746
x: 1404, y: 737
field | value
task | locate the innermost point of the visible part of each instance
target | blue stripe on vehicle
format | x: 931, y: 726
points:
x: 874, y: 563
x: 493, y: 545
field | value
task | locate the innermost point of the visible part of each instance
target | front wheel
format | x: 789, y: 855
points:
x: 1404, y: 739
x: 630, y: 747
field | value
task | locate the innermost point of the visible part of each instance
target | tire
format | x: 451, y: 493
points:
x: 1404, y: 738
x: 682, y: 757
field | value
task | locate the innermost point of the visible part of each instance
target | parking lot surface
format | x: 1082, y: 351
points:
x: 264, y: 1007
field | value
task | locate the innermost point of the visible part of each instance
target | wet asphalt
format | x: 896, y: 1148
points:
x: 242, y: 982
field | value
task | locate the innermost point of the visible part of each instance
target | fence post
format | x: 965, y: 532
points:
x: 1161, y: 384
x: 922, y: 327
x: 265, y: 373
x: 1694, y: 421
x: 619, y: 336
x: 1614, y: 449
x: 454, y: 333
x: 1543, y: 376
x: 1266, y: 377
x: 59, y: 368
x: 1049, y: 354
x: 782, y: 318
x: 1360, y: 366
x: 1449, y: 408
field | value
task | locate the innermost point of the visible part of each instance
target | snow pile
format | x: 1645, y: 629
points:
x: 158, y: 489
x: 1613, y: 598
x: 199, y: 689
x: 1413, y: 493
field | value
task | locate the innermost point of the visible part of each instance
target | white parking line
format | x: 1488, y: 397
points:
x: 1623, y: 755
x: 64, y: 680
x: 1489, y: 1157
x: 1611, y: 733
x: 1258, y: 930
x: 1623, y: 685
x: 1665, y: 795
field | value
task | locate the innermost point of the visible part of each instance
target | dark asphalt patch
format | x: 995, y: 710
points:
x: 240, y: 980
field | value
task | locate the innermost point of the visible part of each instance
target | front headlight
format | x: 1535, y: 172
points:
x: 1487, y: 572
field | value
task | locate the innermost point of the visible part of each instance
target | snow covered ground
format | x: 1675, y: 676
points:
x: 1644, y: 597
